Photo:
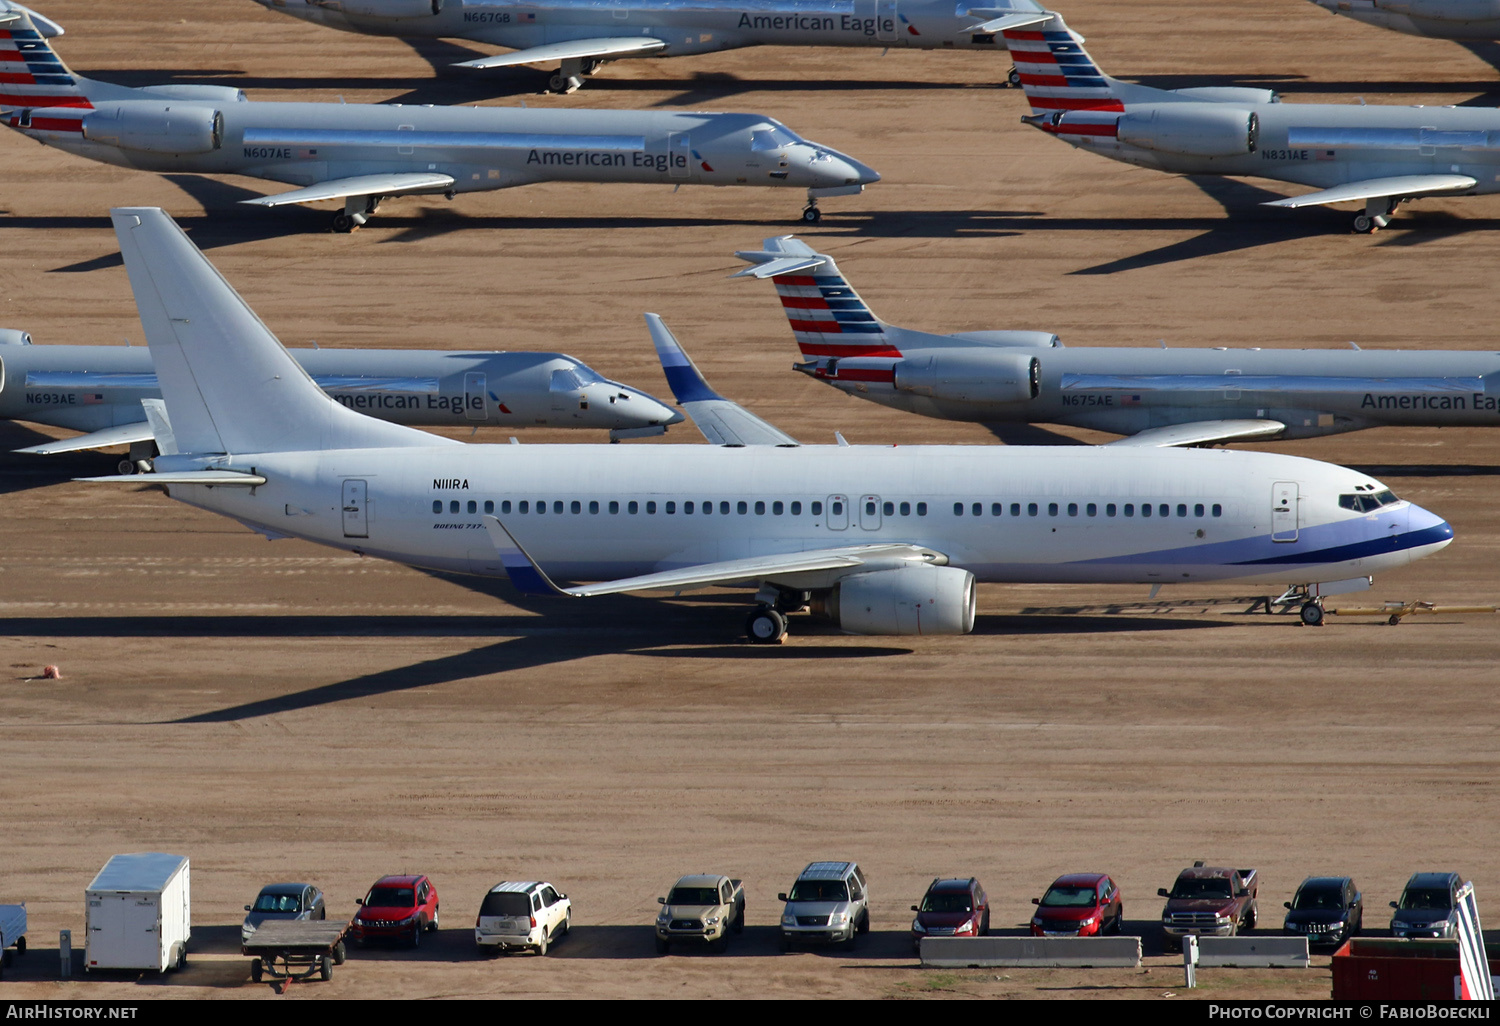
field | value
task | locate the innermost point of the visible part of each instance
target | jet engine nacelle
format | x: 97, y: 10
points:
x: 156, y: 127
x: 1444, y: 10
x: 1191, y: 129
x: 968, y: 375
x: 915, y: 599
x: 14, y: 337
x: 386, y: 8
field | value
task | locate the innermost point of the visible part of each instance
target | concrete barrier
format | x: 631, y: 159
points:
x: 1033, y: 952
x: 1253, y: 953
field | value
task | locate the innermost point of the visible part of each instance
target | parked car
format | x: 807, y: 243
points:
x: 283, y: 901
x: 1327, y: 910
x: 1079, y: 905
x: 1209, y: 901
x: 1428, y: 906
x: 521, y: 917
x: 397, y: 908
x: 829, y: 903
x: 701, y: 908
x: 951, y: 908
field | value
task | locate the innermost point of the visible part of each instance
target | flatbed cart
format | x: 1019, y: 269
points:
x: 295, y: 949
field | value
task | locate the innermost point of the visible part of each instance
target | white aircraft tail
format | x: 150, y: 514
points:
x: 228, y: 384
x: 1058, y: 74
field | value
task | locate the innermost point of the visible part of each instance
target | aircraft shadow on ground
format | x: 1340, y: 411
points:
x: 21, y: 472
x: 1384, y: 470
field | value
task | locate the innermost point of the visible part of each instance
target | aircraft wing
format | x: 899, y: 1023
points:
x: 229, y: 478
x: 361, y: 185
x: 530, y: 578
x: 1015, y: 20
x: 721, y: 421
x: 1375, y: 188
x: 1205, y: 432
x: 121, y: 434
x: 624, y: 46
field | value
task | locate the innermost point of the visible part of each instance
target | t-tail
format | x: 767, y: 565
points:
x: 31, y: 73
x: 828, y: 317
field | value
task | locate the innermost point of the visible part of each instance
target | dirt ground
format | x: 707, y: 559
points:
x: 278, y: 711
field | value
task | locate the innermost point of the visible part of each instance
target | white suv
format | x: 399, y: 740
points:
x: 829, y: 903
x: 521, y: 915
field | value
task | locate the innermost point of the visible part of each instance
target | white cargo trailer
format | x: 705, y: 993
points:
x: 137, y: 914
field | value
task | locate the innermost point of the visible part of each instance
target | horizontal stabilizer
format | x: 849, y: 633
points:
x: 721, y: 421
x: 779, y: 265
x: 48, y: 28
x: 531, y: 579
x: 1398, y: 187
x: 1010, y: 21
x: 1205, y: 432
x: 573, y: 49
x: 362, y: 185
x: 120, y: 434
x: 227, y: 478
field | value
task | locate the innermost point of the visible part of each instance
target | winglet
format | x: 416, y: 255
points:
x: 683, y: 376
x: 523, y: 571
x: 721, y: 421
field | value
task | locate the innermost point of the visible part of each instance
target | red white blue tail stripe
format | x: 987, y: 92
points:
x: 829, y: 318
x: 31, y: 75
x: 1057, y: 73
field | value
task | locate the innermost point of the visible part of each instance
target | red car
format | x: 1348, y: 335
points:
x: 951, y: 908
x: 397, y: 908
x: 1078, y: 905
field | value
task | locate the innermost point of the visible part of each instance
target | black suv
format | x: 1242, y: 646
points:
x: 1327, y: 910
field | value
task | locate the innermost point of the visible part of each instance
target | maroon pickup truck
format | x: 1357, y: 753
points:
x: 1208, y: 901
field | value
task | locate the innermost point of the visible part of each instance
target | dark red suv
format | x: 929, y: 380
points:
x: 397, y: 908
x: 951, y: 908
x: 1078, y: 905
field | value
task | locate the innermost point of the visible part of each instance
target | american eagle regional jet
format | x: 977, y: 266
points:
x: 361, y: 153
x: 1378, y: 155
x: 882, y: 539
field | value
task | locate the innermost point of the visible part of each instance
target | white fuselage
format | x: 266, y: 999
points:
x: 1468, y: 20
x: 686, y: 26
x: 1004, y: 513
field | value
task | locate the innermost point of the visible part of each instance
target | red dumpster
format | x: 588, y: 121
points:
x: 1384, y: 969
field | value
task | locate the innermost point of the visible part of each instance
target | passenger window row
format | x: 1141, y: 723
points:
x: 1091, y: 509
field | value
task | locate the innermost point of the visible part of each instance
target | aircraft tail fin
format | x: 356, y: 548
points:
x: 1058, y: 74
x: 31, y: 72
x: 827, y: 315
x: 228, y: 384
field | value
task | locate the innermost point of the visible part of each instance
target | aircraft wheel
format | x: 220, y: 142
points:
x: 811, y: 215
x: 1312, y: 613
x: 1364, y: 224
x: 563, y: 84
x: 1013, y: 78
x: 765, y: 626
x: 343, y: 223
x: 126, y: 467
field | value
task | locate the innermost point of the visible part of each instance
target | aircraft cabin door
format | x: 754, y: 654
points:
x: 356, y: 505
x: 404, y: 146
x: 474, y: 406
x: 1284, y: 511
x: 679, y: 155
x: 838, y: 512
x: 886, y: 24
x: 869, y: 512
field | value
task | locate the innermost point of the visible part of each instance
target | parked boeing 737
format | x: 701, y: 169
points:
x: 1378, y: 155
x: 583, y: 34
x: 1464, y: 20
x: 1154, y: 396
x: 884, y: 540
x: 362, y: 153
x: 99, y: 390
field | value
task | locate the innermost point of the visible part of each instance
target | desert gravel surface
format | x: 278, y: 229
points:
x: 280, y: 711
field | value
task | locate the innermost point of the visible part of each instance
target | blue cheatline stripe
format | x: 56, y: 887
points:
x: 526, y: 579
x: 1358, y: 550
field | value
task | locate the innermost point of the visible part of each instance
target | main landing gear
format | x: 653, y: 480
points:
x: 1013, y: 78
x: 570, y: 76
x: 1377, y: 214
x: 766, y: 624
x: 1312, y: 613
x: 357, y: 210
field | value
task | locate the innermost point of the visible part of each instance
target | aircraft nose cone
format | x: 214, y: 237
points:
x: 1425, y: 528
x: 643, y: 410
x: 831, y: 169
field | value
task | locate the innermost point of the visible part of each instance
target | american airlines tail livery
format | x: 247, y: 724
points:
x: 883, y: 540
x: 363, y: 153
x: 1153, y: 396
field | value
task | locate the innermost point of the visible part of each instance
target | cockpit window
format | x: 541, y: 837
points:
x: 772, y: 137
x: 1365, y: 502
